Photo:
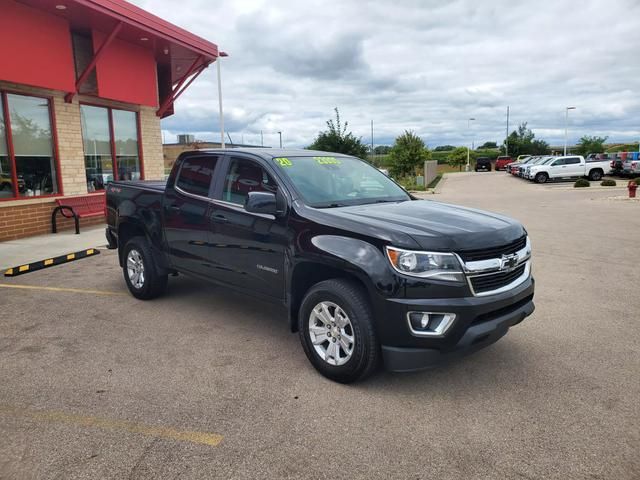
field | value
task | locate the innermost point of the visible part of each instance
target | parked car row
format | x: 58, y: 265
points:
x: 542, y: 168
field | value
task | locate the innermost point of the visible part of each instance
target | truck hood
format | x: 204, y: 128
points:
x: 432, y: 225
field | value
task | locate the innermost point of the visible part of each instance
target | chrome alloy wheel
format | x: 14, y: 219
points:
x: 135, y: 268
x: 331, y: 333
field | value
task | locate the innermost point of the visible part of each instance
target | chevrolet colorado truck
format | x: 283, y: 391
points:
x: 366, y: 273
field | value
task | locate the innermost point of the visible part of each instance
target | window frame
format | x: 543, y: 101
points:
x: 112, y: 140
x: 4, y: 104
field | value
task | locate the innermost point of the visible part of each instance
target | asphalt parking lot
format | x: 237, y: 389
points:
x: 204, y: 383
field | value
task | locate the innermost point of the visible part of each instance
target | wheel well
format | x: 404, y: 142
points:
x: 126, y: 232
x: 305, y: 276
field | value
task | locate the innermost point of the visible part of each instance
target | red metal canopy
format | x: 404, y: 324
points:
x: 178, y: 53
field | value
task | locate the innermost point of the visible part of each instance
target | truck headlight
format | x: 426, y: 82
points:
x: 434, y: 265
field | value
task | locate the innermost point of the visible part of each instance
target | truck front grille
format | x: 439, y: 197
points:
x: 494, y: 281
x: 494, y: 252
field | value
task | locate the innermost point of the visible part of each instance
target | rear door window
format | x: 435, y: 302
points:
x: 196, y: 175
x: 572, y: 161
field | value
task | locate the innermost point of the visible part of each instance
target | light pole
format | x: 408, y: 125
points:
x: 566, y: 122
x: 280, y: 134
x: 220, y: 55
x: 469, y: 131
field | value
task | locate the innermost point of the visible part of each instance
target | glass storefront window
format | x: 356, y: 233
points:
x: 97, y: 141
x: 32, y: 145
x: 125, y: 131
x: 6, y: 181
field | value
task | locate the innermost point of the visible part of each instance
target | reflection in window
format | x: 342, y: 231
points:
x: 245, y: 176
x: 125, y: 131
x: 196, y: 174
x: 97, y: 146
x: 32, y: 145
x: 96, y: 134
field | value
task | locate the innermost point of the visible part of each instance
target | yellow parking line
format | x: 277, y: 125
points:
x: 204, y: 438
x: 59, y: 289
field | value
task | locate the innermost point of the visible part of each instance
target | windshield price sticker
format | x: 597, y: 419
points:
x: 327, y: 160
x: 284, y: 162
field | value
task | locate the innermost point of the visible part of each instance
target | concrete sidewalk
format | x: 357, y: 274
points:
x: 32, y: 249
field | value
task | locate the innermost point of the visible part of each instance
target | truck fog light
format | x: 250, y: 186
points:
x: 430, y: 324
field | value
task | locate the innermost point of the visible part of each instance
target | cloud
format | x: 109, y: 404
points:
x: 423, y: 65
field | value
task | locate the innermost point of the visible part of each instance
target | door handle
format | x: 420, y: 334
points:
x: 220, y: 219
x: 174, y: 208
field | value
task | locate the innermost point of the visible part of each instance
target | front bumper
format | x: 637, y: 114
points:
x: 480, y: 321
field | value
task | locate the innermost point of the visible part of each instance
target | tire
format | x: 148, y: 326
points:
x: 137, y: 258
x: 541, y: 177
x: 332, y: 296
x: 595, y: 175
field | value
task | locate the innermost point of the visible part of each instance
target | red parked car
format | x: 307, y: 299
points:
x: 502, y: 161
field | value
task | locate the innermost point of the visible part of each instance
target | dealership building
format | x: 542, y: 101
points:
x: 83, y: 87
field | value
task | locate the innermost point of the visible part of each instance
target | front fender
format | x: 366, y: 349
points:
x: 361, y: 258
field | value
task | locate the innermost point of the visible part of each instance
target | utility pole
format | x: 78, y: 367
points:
x: 566, y: 122
x: 468, y: 168
x: 222, y: 54
x: 372, y: 139
x: 280, y: 133
x: 506, y: 142
x: 261, y: 139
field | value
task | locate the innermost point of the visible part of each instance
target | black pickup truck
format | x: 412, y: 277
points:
x: 367, y: 273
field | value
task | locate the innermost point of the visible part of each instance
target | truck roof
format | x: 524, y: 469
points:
x: 269, y: 152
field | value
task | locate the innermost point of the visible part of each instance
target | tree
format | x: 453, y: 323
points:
x: 444, y: 148
x: 382, y: 150
x: 337, y: 139
x: 458, y: 157
x: 588, y: 144
x: 407, y: 153
x: 489, y: 145
x: 522, y: 141
x: 539, y: 147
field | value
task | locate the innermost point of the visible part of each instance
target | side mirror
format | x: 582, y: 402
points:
x: 261, y: 202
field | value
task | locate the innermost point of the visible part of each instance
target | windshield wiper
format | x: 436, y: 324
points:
x: 332, y: 205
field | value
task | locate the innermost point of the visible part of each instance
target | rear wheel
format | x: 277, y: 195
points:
x: 595, y: 175
x: 140, y: 272
x: 336, y: 331
x: 541, y: 177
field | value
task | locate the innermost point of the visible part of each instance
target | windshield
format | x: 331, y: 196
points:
x: 325, y: 181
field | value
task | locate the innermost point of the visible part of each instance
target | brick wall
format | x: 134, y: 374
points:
x: 18, y: 221
x: 151, y: 144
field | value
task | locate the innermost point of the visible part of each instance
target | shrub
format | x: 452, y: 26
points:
x: 582, y: 183
x: 637, y: 180
x: 607, y: 182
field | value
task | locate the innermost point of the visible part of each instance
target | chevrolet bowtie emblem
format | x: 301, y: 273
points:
x: 508, y: 262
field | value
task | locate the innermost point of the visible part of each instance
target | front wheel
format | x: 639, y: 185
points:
x: 140, y: 272
x: 336, y: 331
x: 541, y: 178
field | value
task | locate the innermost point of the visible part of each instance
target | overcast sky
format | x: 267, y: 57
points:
x: 421, y: 65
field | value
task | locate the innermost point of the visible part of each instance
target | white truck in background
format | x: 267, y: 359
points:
x: 570, y: 166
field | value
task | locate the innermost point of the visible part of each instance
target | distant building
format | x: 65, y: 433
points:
x: 83, y: 86
x: 173, y: 150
